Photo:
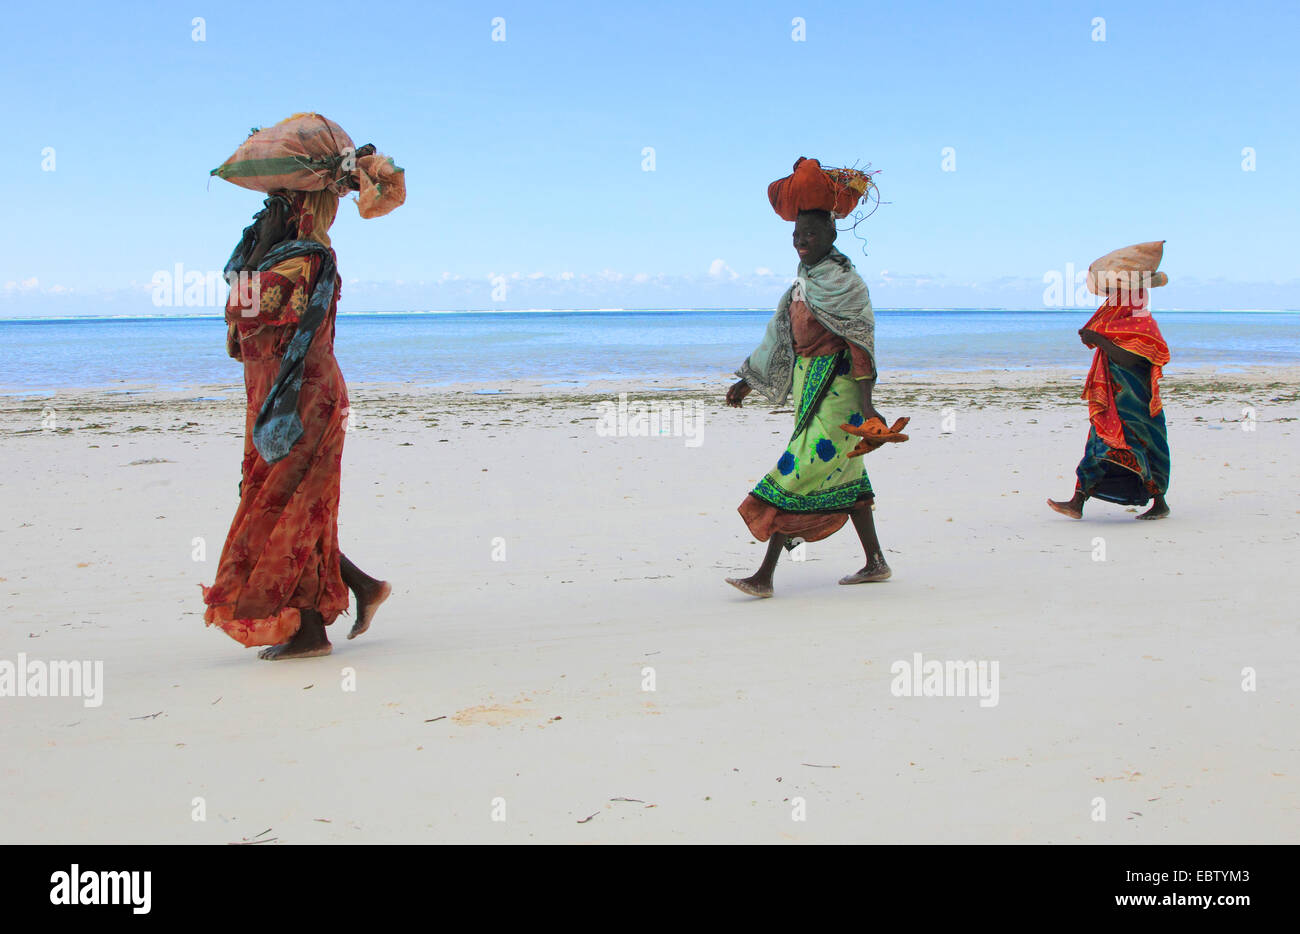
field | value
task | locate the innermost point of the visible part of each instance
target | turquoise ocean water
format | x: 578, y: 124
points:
x: 563, y: 347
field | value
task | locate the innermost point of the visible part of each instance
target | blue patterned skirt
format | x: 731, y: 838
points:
x: 1132, y: 476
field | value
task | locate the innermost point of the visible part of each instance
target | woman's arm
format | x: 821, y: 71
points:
x: 1117, y: 354
x: 737, y: 393
x: 271, y: 230
x: 865, y: 386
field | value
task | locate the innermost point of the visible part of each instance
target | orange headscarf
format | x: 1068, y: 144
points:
x: 314, y: 213
x: 813, y: 188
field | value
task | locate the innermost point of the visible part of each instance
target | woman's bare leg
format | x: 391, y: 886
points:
x: 309, y: 641
x: 759, y: 584
x: 366, y: 590
x: 876, y: 569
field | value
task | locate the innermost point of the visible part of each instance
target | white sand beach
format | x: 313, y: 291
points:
x: 515, y: 688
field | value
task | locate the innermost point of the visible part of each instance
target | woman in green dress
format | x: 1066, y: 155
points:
x: 819, y: 346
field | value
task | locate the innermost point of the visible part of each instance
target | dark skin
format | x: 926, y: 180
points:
x: 814, y: 236
x: 1073, y: 507
x: 368, y: 591
x: 310, y: 640
x: 273, y: 228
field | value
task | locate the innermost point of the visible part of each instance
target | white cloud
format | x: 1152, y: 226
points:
x: 912, y: 278
x: 34, y: 285
x: 719, y: 269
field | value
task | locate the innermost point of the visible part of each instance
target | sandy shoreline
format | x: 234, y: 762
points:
x: 519, y: 683
x: 995, y: 379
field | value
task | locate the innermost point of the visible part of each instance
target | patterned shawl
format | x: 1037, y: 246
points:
x: 278, y: 427
x: 837, y: 298
x: 1131, y: 328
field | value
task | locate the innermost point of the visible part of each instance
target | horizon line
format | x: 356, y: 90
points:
x: 379, y: 313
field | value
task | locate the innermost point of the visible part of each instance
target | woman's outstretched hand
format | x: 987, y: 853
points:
x: 1089, y: 338
x: 874, y: 433
x: 736, y: 394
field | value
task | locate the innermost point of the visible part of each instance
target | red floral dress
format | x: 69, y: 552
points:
x: 282, y: 553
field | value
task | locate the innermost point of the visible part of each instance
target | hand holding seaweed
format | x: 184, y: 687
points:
x: 874, y: 434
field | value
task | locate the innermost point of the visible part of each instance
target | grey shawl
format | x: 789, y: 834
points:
x: 837, y: 298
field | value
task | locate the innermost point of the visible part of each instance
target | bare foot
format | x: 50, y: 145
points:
x: 309, y: 641
x: 754, y: 586
x: 368, y: 601
x: 875, y: 570
x: 286, y: 650
x: 1159, y: 510
x: 1066, y: 509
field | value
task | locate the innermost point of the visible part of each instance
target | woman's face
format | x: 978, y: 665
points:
x: 813, y: 238
x: 276, y: 224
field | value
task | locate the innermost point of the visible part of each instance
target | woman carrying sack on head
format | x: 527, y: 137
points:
x: 820, y: 344
x: 282, y: 578
x: 1126, y: 457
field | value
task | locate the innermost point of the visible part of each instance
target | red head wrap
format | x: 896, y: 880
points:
x: 812, y: 188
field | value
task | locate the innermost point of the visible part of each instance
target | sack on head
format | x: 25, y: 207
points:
x: 1129, y: 268
x: 309, y: 152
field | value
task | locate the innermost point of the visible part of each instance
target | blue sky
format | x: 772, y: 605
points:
x: 524, y: 157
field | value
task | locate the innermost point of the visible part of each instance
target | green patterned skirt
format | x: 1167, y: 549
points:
x: 815, y: 475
